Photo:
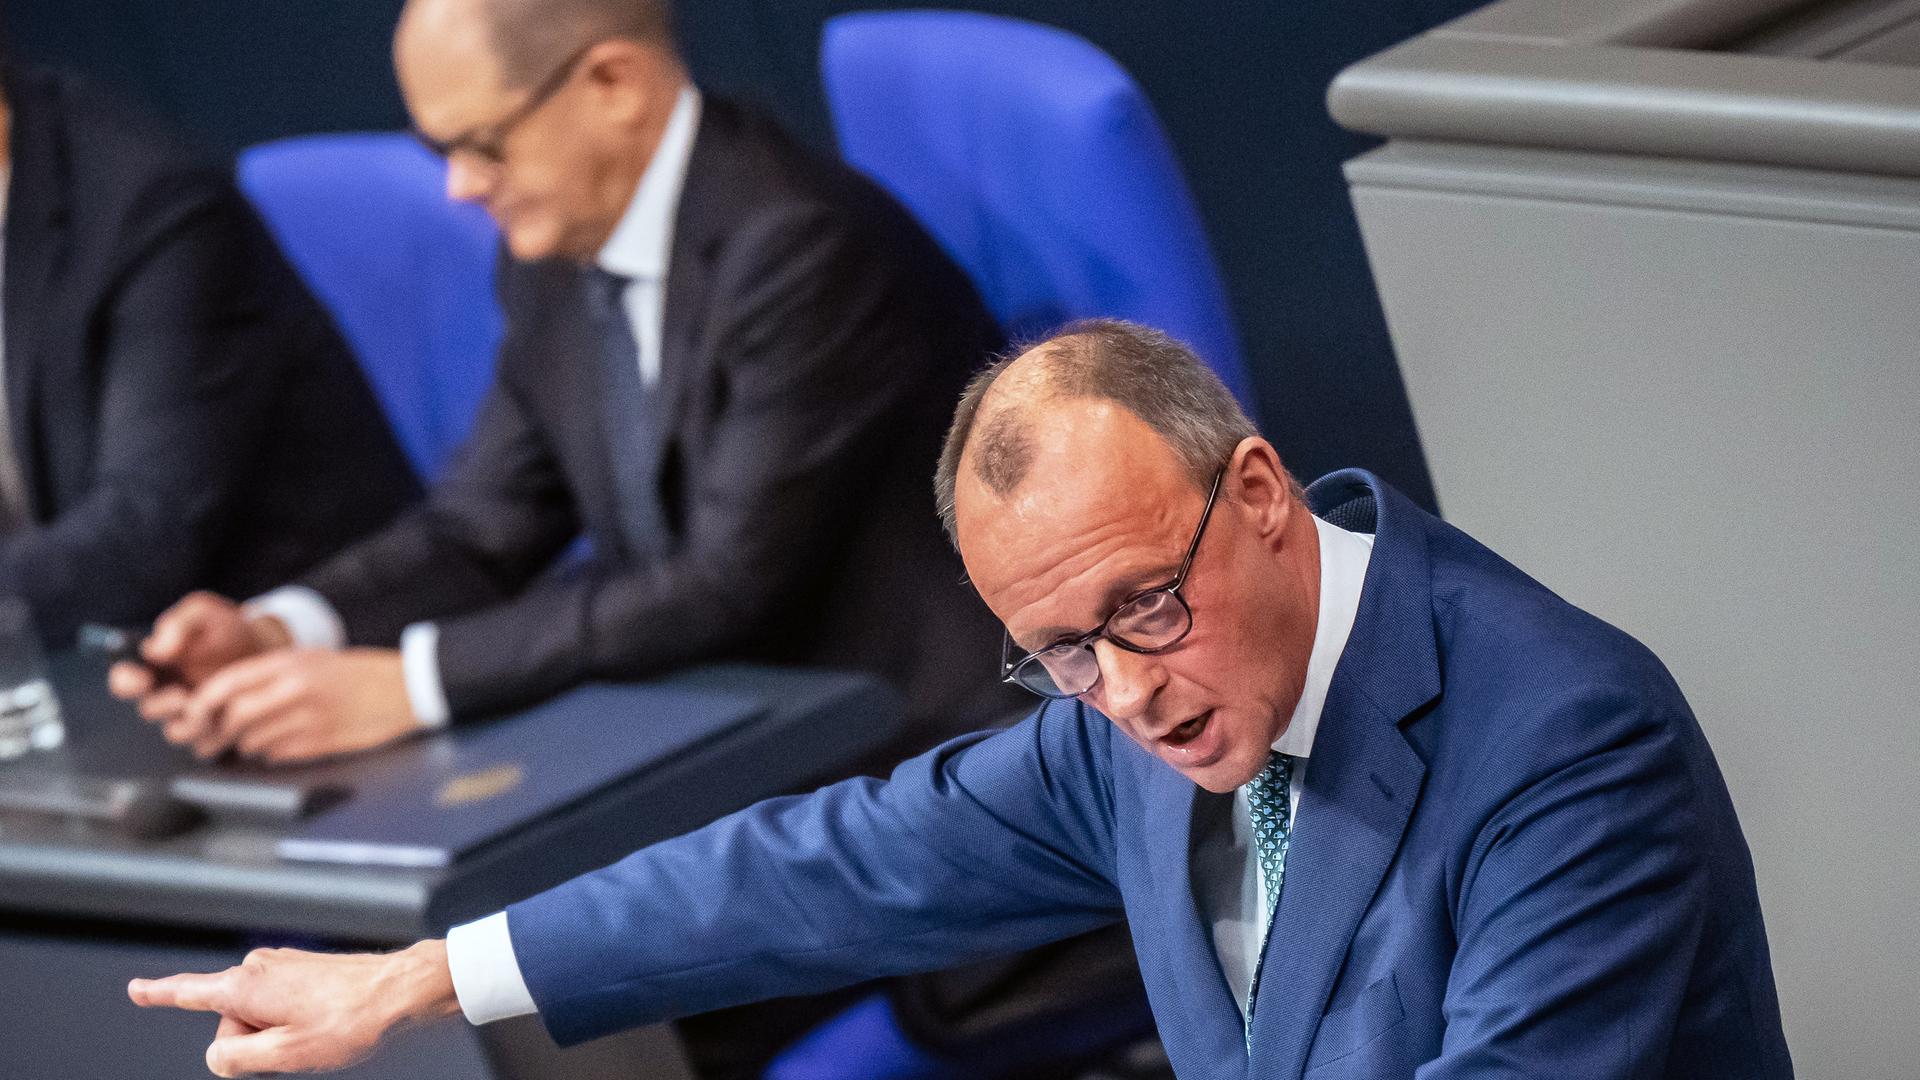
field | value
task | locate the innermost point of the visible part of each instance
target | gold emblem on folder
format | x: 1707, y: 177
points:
x: 489, y: 783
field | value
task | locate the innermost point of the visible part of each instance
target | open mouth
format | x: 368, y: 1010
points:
x: 1187, y: 732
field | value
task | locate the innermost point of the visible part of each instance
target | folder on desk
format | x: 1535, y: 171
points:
x: 477, y: 784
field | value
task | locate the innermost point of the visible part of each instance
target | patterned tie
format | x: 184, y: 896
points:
x: 1269, y: 799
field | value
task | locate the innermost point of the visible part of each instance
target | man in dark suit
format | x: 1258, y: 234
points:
x: 178, y: 411
x: 726, y: 364
x: 1374, y: 802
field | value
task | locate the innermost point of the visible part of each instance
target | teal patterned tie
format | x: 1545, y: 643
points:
x: 1269, y: 799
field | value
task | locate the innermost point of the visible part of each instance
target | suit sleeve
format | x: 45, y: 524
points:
x: 188, y: 355
x: 989, y: 844
x: 1581, y: 910
x: 821, y: 360
x: 499, y: 518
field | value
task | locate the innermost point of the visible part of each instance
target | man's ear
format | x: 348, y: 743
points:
x: 626, y: 75
x: 1259, y: 484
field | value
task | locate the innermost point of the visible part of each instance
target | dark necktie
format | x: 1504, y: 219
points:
x: 627, y: 408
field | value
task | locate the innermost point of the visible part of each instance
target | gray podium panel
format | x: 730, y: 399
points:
x: 1652, y: 271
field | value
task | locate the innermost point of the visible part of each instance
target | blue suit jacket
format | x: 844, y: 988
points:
x: 1516, y: 858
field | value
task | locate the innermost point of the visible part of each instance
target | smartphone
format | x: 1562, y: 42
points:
x: 118, y: 643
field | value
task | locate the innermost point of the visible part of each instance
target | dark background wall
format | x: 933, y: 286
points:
x: 1238, y: 83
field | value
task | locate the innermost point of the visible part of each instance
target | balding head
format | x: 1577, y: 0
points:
x: 526, y: 39
x: 531, y: 36
x: 1143, y: 371
x: 448, y: 33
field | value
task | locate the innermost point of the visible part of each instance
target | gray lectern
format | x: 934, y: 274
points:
x: 1652, y: 269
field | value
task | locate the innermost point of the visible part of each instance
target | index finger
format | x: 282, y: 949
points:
x: 200, y: 993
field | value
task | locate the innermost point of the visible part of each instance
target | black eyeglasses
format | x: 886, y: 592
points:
x: 1148, y: 622
x: 487, y: 142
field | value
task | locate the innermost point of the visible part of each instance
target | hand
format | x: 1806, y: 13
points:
x: 283, y: 1010
x: 191, y: 641
x: 298, y: 704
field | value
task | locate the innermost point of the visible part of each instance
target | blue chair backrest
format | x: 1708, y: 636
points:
x: 1038, y: 163
x: 407, y: 275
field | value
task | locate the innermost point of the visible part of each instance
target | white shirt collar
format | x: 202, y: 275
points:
x: 640, y: 244
x: 1343, y: 570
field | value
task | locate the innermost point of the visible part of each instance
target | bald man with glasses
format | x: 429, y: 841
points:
x: 726, y: 365
x: 1375, y: 804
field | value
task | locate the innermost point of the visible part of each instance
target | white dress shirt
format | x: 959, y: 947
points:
x: 640, y: 250
x: 486, y: 974
x: 1232, y: 891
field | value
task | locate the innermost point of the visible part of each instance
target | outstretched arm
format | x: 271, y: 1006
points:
x: 988, y: 844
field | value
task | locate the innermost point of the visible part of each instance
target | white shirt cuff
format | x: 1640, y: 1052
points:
x: 420, y: 665
x: 308, y: 617
x: 486, y: 974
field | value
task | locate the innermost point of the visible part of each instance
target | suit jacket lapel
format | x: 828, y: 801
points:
x: 1209, y: 1017
x: 1361, y: 783
x: 35, y: 250
x: 699, y: 222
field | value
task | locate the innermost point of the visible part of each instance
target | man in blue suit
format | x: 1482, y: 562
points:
x: 1374, y: 803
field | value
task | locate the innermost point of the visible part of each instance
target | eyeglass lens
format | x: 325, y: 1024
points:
x: 1147, y: 623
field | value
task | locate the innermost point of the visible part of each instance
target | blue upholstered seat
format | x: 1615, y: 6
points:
x: 407, y: 275
x: 1039, y: 164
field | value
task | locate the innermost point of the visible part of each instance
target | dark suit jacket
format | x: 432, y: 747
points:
x: 814, y: 344
x: 1515, y: 858
x: 183, y: 412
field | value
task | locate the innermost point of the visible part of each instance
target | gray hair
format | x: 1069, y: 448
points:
x: 1142, y: 370
x: 531, y: 36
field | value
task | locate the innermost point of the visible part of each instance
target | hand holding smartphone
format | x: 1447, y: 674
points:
x: 119, y: 644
